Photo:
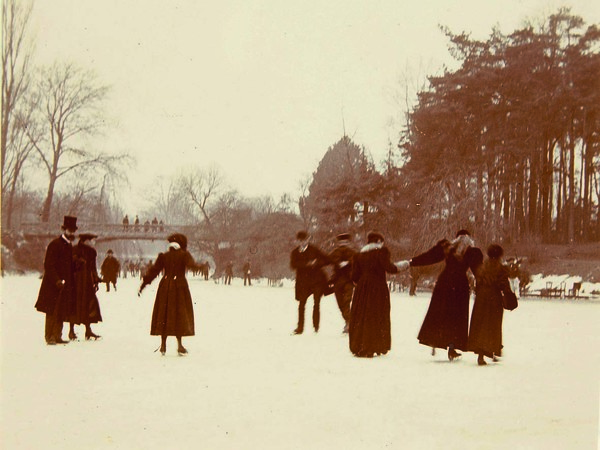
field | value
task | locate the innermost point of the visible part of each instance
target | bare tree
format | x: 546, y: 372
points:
x: 16, y: 55
x: 71, y: 105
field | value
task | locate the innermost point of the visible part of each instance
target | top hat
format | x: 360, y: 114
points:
x: 87, y: 236
x: 179, y: 238
x: 69, y: 223
x: 343, y: 237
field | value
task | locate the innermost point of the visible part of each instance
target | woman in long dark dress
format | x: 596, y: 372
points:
x: 87, y: 307
x: 173, y: 313
x: 446, y: 323
x: 485, y: 332
x: 370, y: 327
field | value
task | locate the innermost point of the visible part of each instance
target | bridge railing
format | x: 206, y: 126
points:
x: 109, y: 231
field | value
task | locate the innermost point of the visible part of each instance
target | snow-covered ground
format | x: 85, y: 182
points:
x: 247, y: 383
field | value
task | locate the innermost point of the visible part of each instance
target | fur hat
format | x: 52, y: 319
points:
x: 374, y: 236
x: 69, y: 223
x: 494, y: 251
x: 87, y: 236
x: 180, y: 239
x: 463, y: 232
x: 109, y: 252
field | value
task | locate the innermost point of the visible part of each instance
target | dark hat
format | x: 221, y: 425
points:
x: 374, y: 236
x: 69, y: 223
x: 179, y: 238
x: 343, y: 237
x: 463, y: 232
x: 109, y: 251
x: 494, y: 251
x: 301, y: 235
x: 87, y: 236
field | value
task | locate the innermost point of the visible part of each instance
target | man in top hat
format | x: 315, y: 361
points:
x: 308, y: 262
x: 110, y: 270
x: 343, y: 286
x: 57, y: 293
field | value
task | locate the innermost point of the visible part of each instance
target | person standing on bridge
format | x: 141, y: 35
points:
x: 173, y: 313
x: 125, y: 223
x: 57, y: 293
x: 110, y: 270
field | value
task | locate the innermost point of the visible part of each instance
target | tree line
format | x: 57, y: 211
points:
x: 506, y: 145
x: 49, y: 114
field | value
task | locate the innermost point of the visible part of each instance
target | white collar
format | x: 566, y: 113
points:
x: 371, y: 246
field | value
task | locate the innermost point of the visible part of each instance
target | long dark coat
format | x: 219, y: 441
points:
x: 485, y: 332
x: 173, y: 313
x: 310, y: 279
x: 447, y: 319
x: 370, y: 327
x: 110, y: 269
x: 58, y: 265
x: 87, y: 307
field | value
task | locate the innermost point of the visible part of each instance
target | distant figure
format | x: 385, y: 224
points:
x: 136, y: 225
x: 342, y: 257
x: 485, y: 332
x: 110, y: 270
x: 173, y: 313
x: 161, y: 226
x: 87, y: 307
x: 57, y: 293
x: 154, y: 225
x: 146, y: 226
x: 246, y: 270
x: 370, y: 325
x: 513, y: 265
x: 205, y: 270
x: 125, y: 223
x: 228, y: 272
x: 308, y: 262
x: 446, y: 323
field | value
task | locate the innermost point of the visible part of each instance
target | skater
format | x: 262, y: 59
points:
x: 110, y: 270
x: 87, y: 307
x: 370, y: 327
x: 513, y: 275
x: 173, y: 313
x: 308, y: 261
x: 485, y: 332
x: 246, y: 270
x: 447, y: 320
x: 228, y: 272
x: 343, y: 286
x: 56, y: 297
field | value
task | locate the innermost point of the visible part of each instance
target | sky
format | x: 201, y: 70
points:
x: 247, y: 383
x: 261, y: 89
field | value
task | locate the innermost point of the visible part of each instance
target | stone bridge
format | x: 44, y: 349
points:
x: 111, y: 232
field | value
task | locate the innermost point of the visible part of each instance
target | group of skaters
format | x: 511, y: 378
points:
x: 70, y: 282
x: 148, y: 226
x: 360, y: 286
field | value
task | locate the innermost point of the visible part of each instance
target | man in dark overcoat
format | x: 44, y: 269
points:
x: 110, y: 270
x: 57, y: 293
x: 246, y: 270
x: 343, y: 287
x: 308, y: 262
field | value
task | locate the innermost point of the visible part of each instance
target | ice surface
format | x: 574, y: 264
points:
x: 247, y: 383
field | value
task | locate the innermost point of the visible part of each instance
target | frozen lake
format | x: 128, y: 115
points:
x: 247, y: 383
